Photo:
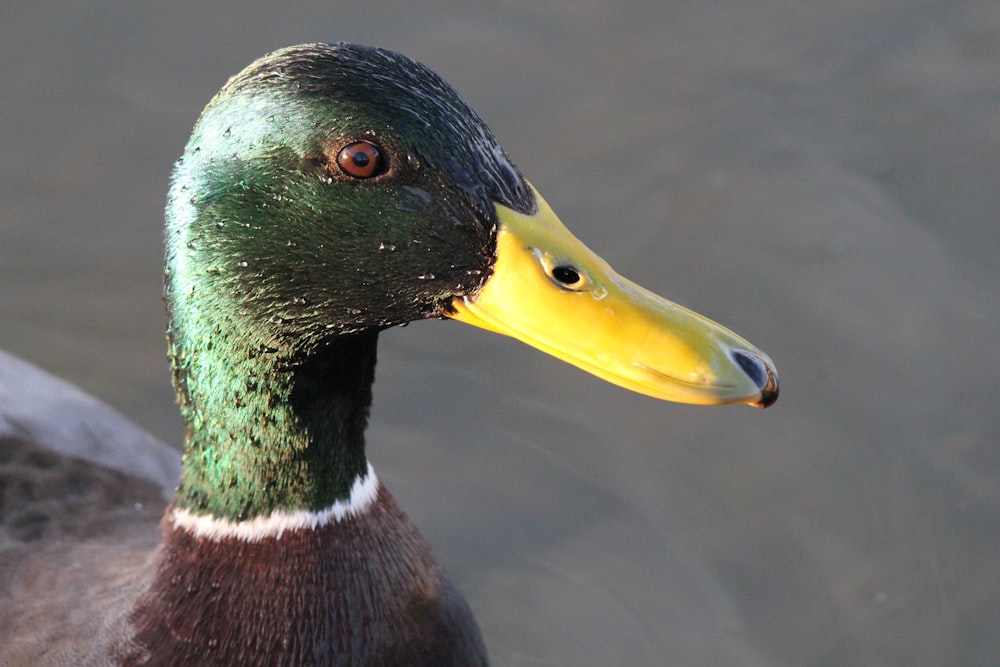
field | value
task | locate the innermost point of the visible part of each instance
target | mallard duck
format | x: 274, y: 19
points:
x: 327, y: 192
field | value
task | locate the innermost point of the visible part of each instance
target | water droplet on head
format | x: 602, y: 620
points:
x: 242, y: 264
x: 299, y: 301
x: 213, y: 642
x: 387, y: 246
x: 426, y: 276
x: 418, y: 194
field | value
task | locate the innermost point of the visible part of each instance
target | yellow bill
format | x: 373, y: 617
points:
x: 552, y: 292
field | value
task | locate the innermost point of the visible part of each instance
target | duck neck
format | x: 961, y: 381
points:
x: 267, y: 432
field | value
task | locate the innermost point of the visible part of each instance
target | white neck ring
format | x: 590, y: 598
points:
x: 363, y: 495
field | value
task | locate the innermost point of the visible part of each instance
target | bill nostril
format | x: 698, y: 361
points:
x: 567, y: 275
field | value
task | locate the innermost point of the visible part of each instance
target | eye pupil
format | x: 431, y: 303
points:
x: 361, y: 159
x: 567, y: 275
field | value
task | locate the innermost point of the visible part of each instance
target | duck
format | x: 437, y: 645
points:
x: 327, y: 192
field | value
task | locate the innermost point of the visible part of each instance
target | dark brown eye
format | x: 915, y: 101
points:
x: 361, y: 159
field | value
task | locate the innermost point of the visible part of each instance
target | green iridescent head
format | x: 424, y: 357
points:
x: 327, y: 192
x: 330, y: 191
x: 271, y: 229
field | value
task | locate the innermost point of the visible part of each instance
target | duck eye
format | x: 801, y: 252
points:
x: 361, y: 159
x: 566, y: 275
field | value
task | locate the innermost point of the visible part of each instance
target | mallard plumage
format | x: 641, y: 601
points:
x: 327, y: 192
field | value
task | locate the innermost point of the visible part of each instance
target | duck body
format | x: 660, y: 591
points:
x: 76, y: 554
x: 314, y: 601
x: 81, y: 493
x: 168, y: 597
x: 327, y: 192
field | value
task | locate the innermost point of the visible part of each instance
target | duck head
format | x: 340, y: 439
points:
x: 329, y: 190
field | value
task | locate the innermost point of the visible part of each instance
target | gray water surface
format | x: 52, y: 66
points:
x: 822, y: 177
